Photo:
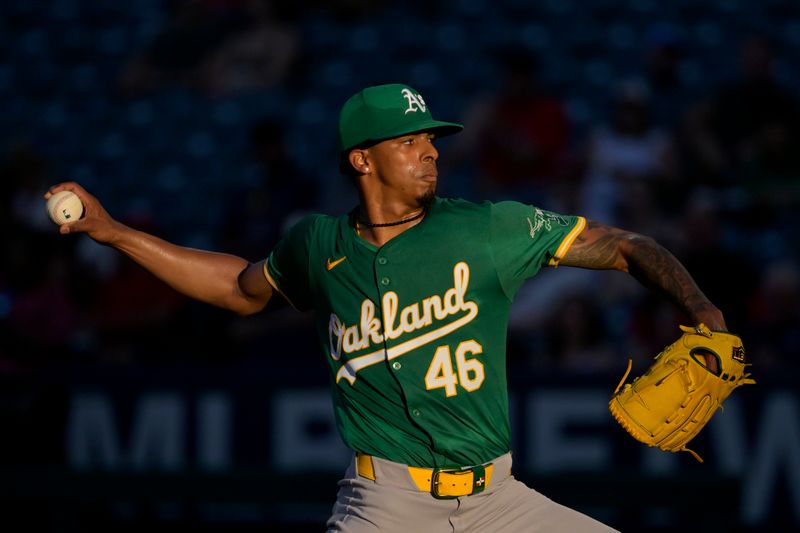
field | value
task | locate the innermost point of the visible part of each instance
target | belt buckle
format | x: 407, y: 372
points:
x: 440, y: 491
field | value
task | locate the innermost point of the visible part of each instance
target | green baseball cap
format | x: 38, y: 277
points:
x: 386, y: 111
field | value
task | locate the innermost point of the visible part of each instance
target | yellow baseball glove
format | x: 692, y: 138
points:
x: 680, y: 392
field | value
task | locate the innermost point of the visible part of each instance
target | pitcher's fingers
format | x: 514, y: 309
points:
x: 67, y: 186
x: 77, y: 226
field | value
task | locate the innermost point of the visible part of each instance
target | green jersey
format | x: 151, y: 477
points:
x: 414, y: 332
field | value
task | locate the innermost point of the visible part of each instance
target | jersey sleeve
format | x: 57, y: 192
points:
x: 286, y: 268
x: 525, y: 238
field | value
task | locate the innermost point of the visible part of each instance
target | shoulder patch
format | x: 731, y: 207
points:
x: 544, y: 219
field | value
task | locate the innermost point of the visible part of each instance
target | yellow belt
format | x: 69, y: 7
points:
x: 441, y: 483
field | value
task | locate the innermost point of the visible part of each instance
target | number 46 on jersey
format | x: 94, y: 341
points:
x: 468, y: 370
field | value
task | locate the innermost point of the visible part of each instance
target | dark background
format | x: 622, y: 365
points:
x: 211, y: 123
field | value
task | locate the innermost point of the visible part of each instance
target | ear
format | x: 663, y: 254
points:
x: 359, y: 161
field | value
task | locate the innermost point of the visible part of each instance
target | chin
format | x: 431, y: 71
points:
x: 427, y: 198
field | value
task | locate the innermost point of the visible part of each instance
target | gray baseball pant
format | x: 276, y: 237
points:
x: 393, y: 503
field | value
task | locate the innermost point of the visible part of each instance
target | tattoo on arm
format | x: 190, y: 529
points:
x: 604, y: 247
x: 656, y: 267
x: 597, y: 247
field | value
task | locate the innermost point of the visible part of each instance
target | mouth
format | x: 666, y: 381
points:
x: 430, y: 177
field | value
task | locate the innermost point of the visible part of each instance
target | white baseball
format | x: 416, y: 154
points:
x: 64, y: 206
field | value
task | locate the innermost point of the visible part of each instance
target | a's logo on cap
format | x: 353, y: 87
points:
x: 415, y: 101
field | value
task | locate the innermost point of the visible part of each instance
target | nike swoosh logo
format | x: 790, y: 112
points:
x: 330, y: 265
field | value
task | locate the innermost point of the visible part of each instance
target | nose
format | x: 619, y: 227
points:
x: 429, y: 153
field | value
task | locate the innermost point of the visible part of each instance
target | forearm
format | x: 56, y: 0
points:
x: 605, y: 247
x: 208, y: 277
x: 223, y: 280
x: 654, y: 266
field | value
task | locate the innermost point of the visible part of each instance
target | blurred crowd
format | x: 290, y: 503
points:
x: 707, y: 165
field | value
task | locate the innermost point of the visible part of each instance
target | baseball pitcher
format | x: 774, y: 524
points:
x: 411, y: 294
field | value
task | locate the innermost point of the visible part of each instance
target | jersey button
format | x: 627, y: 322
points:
x: 415, y: 412
x: 397, y: 365
x: 382, y: 260
x: 385, y: 281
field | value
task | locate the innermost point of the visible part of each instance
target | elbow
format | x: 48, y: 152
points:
x: 247, y: 307
x: 244, y: 312
x: 241, y: 305
x: 633, y: 249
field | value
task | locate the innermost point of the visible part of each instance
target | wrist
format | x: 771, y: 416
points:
x: 118, y: 234
x: 711, y: 317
